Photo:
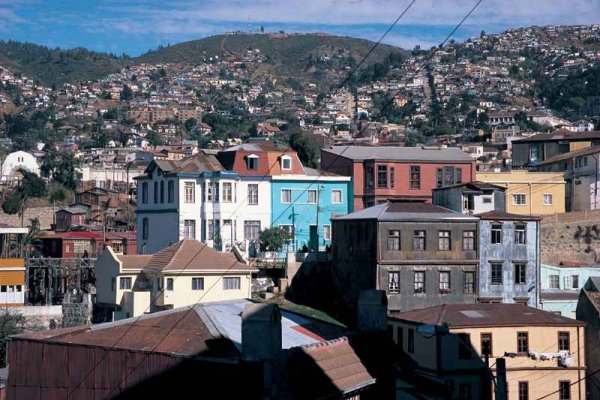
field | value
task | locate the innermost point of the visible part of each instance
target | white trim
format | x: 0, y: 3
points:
x: 286, y: 158
x: 341, y: 196
x: 551, y: 199
x: 4, y: 231
x: 311, y: 178
x: 281, y: 196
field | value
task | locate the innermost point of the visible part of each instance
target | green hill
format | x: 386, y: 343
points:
x: 55, y: 66
x: 314, y: 56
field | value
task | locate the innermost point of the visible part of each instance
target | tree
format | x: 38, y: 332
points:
x: 13, y: 202
x: 273, y: 239
x: 60, y: 168
x: 32, y: 185
x: 307, y: 148
x: 190, y: 124
x: 154, y: 139
x: 126, y: 93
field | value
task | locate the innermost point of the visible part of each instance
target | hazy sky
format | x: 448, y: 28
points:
x: 135, y: 26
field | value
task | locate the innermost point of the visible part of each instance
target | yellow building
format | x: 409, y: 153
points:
x: 544, y: 352
x: 530, y: 193
x: 12, y: 266
x: 185, y: 273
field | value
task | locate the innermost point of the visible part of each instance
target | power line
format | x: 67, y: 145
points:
x: 571, y: 384
x: 233, y: 213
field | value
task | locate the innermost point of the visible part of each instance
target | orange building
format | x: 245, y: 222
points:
x: 12, y: 266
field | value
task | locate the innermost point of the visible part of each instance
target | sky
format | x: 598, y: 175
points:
x: 136, y: 26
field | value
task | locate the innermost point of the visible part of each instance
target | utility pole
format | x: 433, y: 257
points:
x: 501, y: 384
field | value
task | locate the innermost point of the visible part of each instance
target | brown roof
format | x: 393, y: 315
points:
x: 191, y: 255
x: 561, y: 295
x: 134, y: 261
x: 165, y: 332
x: 561, y: 134
x: 337, y: 360
x: 501, y: 215
x: 484, y: 315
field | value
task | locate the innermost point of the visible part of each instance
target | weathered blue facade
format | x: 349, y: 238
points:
x: 308, y: 203
x: 509, y: 270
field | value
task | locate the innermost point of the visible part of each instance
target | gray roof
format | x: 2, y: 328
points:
x: 398, y: 211
x: 424, y: 153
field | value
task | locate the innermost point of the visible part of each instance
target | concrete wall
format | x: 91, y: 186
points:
x: 572, y: 236
x: 44, y: 214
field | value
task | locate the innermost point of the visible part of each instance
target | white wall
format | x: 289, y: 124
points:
x: 15, y: 161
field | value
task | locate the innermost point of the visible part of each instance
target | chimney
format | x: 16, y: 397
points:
x: 372, y: 311
x: 261, y: 343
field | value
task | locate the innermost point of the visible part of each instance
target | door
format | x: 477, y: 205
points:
x: 313, y: 241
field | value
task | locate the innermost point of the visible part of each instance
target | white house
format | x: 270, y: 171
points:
x: 16, y: 161
x: 196, y: 198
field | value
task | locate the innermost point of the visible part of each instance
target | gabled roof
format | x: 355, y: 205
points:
x: 407, y: 211
x: 197, y: 163
x: 431, y: 154
x: 474, y: 186
x: 191, y: 255
x: 485, y: 315
x: 134, y: 262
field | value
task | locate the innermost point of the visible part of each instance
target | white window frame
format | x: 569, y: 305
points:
x: 237, y: 280
x: 281, y: 196
x: 190, y: 192
x: 283, y: 162
x: 515, y: 202
x: 189, y: 225
x: 197, y: 279
x: 227, y: 197
x: 252, y: 157
x: 549, y: 196
x: 327, y: 232
x: 125, y: 283
x: 253, y: 196
x: 311, y: 191
x: 333, y: 191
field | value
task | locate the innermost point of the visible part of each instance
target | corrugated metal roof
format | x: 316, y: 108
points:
x: 453, y: 154
x: 407, y: 211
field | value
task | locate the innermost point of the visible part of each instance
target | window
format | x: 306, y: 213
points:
x: 190, y: 192
x: 393, y: 282
x: 209, y: 191
x: 125, y: 283
x: 448, y: 176
x: 444, y: 240
x: 382, y: 176
x: 155, y: 192
x: 419, y: 241
x: 519, y: 199
x: 286, y: 196
x: 496, y: 233
x: 547, y: 199
x: 563, y: 341
x: 522, y: 342
x: 520, y: 236
x: 197, y: 283
x: 458, y: 176
x: 523, y: 390
x: 410, y: 346
x: 231, y: 283
x: 286, y: 162
x: 444, y: 282
x: 171, y: 192
x: 145, y: 228
x: 252, y: 162
x: 227, y: 193
x: 564, y: 390
x: 369, y: 177
x: 469, y: 284
x: 415, y: 177
x: 520, y: 274
x: 554, y: 282
x: 464, y: 346
x: 145, y: 193
x: 251, y: 230
x: 486, y: 344
x: 575, y: 281
x: 393, y: 240
x: 211, y: 229
x: 169, y: 283
x: 216, y: 191
x: 468, y: 240
x: 162, y: 191
x: 487, y: 200
x: 189, y: 229
x: 326, y: 232
x: 439, y: 178
x: 419, y: 282
x: 496, y: 274
x: 465, y: 391
x: 336, y: 196
x: 392, y: 177
x: 312, y: 196
x: 253, y: 194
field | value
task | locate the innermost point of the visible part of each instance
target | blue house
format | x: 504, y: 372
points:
x: 562, y: 283
x: 305, y: 204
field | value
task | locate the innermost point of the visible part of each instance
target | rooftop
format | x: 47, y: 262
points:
x: 191, y: 255
x: 571, y: 154
x: 501, y: 215
x: 484, y: 315
x: 407, y: 211
x: 561, y: 134
x: 432, y: 154
x: 473, y: 186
